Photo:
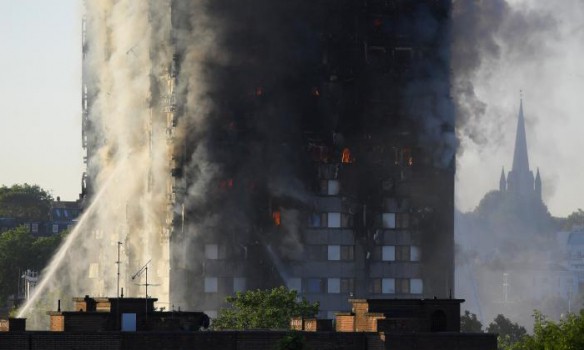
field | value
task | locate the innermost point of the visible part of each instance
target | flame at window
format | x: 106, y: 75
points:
x: 346, y: 156
x: 277, y: 217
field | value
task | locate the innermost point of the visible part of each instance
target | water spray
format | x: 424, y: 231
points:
x: 55, y: 263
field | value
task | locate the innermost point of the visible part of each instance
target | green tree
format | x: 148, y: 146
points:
x: 25, y: 202
x: 567, y: 334
x: 262, y: 309
x: 508, y: 332
x: 469, y: 323
x: 574, y: 220
x: 19, y: 250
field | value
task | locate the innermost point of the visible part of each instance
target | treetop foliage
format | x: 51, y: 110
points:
x: 264, y: 309
x: 509, y: 332
x: 19, y: 251
x: 25, y: 202
x: 567, y: 334
x: 469, y: 323
x: 574, y: 220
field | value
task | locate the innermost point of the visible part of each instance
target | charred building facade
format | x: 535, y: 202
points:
x: 308, y: 143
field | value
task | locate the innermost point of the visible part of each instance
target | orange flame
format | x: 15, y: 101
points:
x: 277, y: 217
x: 346, y: 156
x: 315, y: 92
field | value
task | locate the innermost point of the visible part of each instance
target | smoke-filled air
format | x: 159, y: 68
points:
x: 211, y: 127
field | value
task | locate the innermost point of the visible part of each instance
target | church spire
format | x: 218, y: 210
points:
x: 502, y: 181
x: 520, y: 179
x: 520, y: 159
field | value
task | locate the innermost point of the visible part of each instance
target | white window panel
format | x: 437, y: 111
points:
x: 334, y: 252
x: 334, y: 220
x: 212, y: 251
x: 34, y: 228
x: 333, y: 187
x: 239, y: 284
x: 334, y: 285
x: 388, y: 220
x: 416, y: 286
x: 55, y: 228
x: 388, y: 286
x: 388, y: 253
x: 414, y: 253
x: 294, y: 284
x: 211, y: 284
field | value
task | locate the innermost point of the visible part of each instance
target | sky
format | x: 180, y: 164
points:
x: 40, y: 102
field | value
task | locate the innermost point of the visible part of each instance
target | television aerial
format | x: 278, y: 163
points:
x: 144, y: 270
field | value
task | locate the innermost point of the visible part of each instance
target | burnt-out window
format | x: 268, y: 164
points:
x: 402, y: 286
x: 346, y: 220
x: 382, y: 286
x: 402, y: 253
x: 375, y: 286
x: 317, y: 220
x: 314, y: 285
x: 316, y: 252
x: 402, y: 220
x: 347, y: 252
x: 347, y: 285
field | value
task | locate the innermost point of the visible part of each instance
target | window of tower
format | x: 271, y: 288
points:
x: 294, y: 284
x: 388, y: 220
x: 416, y: 286
x: 239, y: 284
x: 211, y: 284
x: 334, y: 285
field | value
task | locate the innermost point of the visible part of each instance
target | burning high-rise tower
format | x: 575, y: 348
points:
x: 318, y: 152
x: 241, y: 145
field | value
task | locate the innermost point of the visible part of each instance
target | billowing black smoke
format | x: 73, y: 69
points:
x: 268, y: 89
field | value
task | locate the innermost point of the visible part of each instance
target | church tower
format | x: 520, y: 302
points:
x: 520, y: 179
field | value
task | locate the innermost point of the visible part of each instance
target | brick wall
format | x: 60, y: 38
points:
x: 57, y: 323
x: 360, y: 310
x: 253, y: 340
x: 345, y: 323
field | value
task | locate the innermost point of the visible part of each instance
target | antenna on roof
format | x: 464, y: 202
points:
x: 118, y: 262
x: 144, y: 269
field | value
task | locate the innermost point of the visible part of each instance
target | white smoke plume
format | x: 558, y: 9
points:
x: 127, y: 57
